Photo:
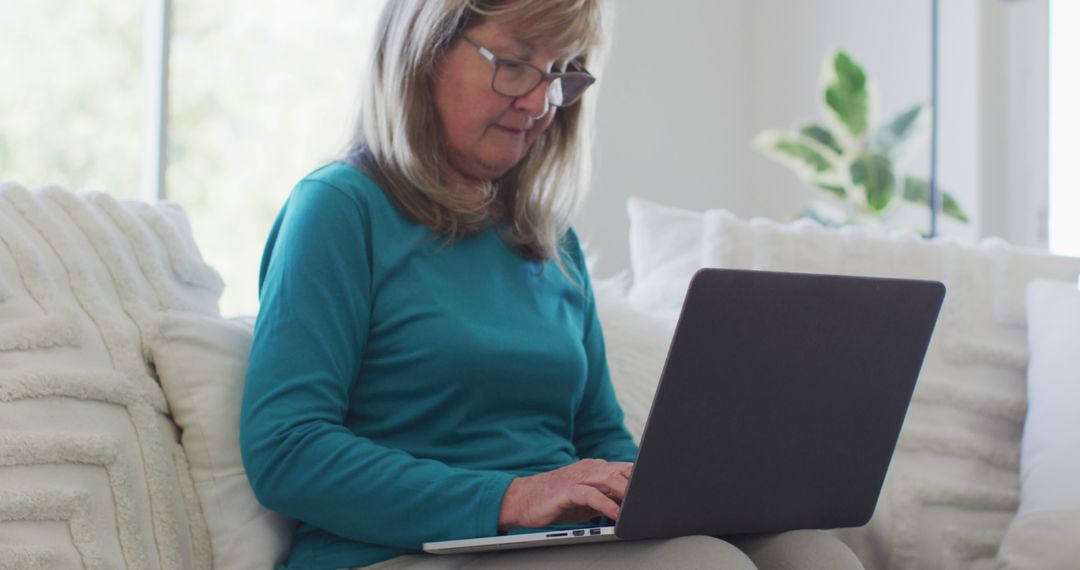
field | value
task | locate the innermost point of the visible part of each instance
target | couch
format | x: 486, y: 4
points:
x: 120, y: 385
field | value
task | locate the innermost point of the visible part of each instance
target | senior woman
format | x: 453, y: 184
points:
x: 427, y: 362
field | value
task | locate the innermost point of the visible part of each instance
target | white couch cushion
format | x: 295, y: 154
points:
x: 636, y: 342
x: 91, y: 471
x: 1045, y: 531
x: 665, y: 250
x: 201, y: 362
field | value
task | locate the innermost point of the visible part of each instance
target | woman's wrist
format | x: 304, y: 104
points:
x: 508, y: 512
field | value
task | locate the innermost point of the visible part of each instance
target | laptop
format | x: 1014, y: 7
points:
x: 778, y: 408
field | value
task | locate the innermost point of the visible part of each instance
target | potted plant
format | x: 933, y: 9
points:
x: 851, y: 161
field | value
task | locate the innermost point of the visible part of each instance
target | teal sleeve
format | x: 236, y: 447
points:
x: 599, y: 428
x: 301, y: 459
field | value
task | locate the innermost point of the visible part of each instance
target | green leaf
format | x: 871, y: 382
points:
x: 874, y: 173
x: 794, y: 152
x: 804, y: 152
x: 918, y: 190
x: 903, y: 126
x: 847, y: 95
x: 835, y: 189
x: 822, y: 135
x: 950, y: 207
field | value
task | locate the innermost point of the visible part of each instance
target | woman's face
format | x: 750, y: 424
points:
x: 488, y: 133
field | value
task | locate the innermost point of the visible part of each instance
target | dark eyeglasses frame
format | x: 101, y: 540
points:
x: 579, y: 72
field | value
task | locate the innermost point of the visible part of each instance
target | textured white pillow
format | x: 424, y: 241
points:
x: 201, y: 362
x: 91, y: 472
x: 665, y: 251
x: 636, y: 343
x: 1045, y: 533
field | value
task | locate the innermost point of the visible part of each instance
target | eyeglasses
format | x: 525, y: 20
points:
x: 515, y: 78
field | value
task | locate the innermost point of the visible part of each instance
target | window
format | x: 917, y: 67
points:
x: 70, y: 106
x: 1064, y: 210
x: 260, y: 92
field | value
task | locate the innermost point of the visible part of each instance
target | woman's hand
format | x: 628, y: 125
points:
x: 577, y: 492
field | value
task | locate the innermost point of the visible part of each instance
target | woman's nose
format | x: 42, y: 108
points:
x: 535, y: 102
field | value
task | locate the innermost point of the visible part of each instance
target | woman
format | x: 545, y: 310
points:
x: 427, y: 362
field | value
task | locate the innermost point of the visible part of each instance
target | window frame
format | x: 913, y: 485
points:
x: 155, y: 105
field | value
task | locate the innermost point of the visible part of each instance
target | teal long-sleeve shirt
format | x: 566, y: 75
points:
x: 397, y: 384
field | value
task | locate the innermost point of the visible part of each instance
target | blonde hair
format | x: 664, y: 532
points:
x: 398, y: 138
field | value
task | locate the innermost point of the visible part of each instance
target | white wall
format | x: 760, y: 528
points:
x: 1014, y: 97
x: 690, y: 83
x: 671, y: 116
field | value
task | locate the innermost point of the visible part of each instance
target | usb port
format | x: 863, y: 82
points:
x: 557, y: 534
x: 594, y: 531
x: 579, y: 533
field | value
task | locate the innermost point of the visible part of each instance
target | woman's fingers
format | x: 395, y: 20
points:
x: 574, y: 493
x: 612, y: 478
x: 614, y: 485
x: 587, y: 496
x: 622, y: 468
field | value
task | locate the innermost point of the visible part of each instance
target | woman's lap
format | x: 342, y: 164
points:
x: 798, y: 550
x: 804, y: 550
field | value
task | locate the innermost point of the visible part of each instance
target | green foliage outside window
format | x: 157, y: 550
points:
x: 260, y: 92
x: 70, y: 106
